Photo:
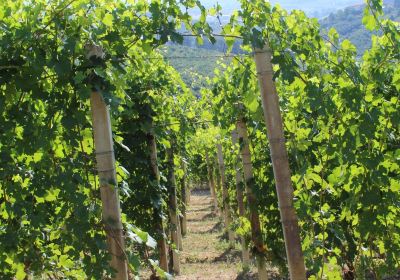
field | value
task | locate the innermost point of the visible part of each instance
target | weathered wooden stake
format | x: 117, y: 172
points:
x: 180, y: 242
x: 225, y: 196
x: 184, y: 199
x: 218, y: 188
x: 189, y: 193
x: 280, y: 163
x: 239, y: 198
x: 212, y: 183
x: 256, y: 233
x: 162, y: 245
x: 105, y: 158
x: 173, y: 211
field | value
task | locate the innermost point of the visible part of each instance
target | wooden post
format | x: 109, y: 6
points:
x: 179, y: 232
x: 218, y: 188
x: 105, y: 158
x: 280, y: 163
x: 188, y: 191
x: 162, y: 245
x: 184, y: 199
x: 173, y: 215
x: 239, y: 198
x: 225, y: 196
x: 256, y: 234
x: 211, y: 183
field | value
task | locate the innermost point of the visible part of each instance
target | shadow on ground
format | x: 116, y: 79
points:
x: 228, y: 255
x: 206, y: 209
x: 244, y: 275
x: 247, y: 276
x: 199, y: 192
x: 216, y: 228
x: 208, y: 216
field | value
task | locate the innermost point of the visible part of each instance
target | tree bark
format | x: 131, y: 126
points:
x: 173, y: 211
x: 239, y: 198
x: 225, y: 196
x: 162, y: 244
x: 108, y: 185
x: 212, y: 183
x: 280, y: 163
x: 256, y: 234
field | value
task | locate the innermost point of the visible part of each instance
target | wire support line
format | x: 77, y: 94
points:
x: 180, y: 123
x: 212, y: 34
x: 104, y: 153
x: 199, y: 57
x: 106, y: 170
x: 234, y: 56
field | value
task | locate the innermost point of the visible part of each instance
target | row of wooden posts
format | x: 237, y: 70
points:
x: 110, y: 199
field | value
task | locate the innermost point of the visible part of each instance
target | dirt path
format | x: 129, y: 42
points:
x: 206, y: 253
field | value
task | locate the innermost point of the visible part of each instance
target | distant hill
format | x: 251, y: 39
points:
x: 314, y: 8
x: 348, y: 23
x: 194, y: 64
x: 201, y: 60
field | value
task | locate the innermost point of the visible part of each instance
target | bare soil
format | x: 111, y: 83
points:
x: 206, y: 253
